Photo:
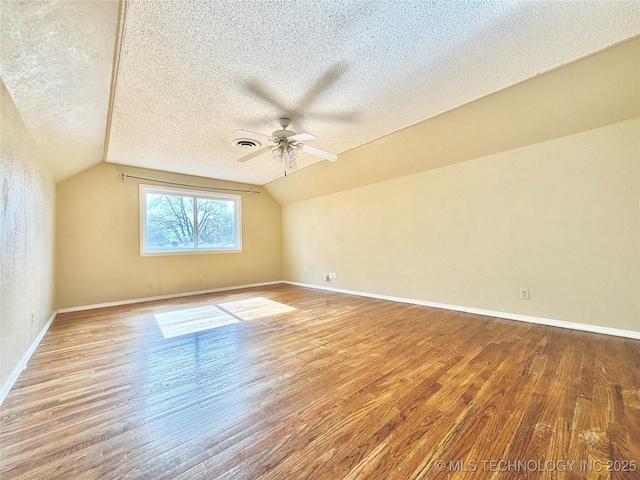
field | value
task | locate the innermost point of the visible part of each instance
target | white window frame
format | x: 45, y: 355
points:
x: 195, y: 194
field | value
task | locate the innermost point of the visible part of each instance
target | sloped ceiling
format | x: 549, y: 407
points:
x: 56, y: 62
x: 589, y: 93
x: 349, y: 72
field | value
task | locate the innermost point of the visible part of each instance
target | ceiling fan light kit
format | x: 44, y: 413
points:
x: 286, y: 145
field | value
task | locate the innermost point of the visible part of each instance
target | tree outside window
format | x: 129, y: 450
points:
x: 175, y: 220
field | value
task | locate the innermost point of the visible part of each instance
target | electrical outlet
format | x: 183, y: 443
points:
x: 333, y: 275
x: 524, y: 294
x: 33, y: 317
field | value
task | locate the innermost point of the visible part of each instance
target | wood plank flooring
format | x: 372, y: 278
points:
x: 316, y: 385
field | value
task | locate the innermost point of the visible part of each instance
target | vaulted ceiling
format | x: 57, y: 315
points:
x: 164, y: 84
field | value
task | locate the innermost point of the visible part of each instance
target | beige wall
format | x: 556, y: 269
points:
x: 561, y: 218
x: 97, y: 242
x: 27, y: 211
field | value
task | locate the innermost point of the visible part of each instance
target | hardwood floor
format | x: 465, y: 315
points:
x: 325, y: 386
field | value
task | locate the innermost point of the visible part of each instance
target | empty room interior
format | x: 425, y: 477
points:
x: 320, y: 240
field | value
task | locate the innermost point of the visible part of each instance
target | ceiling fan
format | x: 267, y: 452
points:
x: 286, y: 145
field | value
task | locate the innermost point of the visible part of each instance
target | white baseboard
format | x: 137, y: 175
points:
x: 19, y: 368
x: 380, y: 297
x: 164, y: 297
x: 489, y: 313
x: 585, y: 327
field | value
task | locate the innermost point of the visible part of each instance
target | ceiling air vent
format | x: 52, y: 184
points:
x: 246, y: 143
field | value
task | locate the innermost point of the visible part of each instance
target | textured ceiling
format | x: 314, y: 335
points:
x: 56, y: 62
x: 192, y: 72
x: 350, y: 71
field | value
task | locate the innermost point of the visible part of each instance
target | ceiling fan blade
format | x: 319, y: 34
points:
x: 249, y: 133
x: 302, y: 137
x: 326, y: 81
x: 332, y: 157
x: 254, y: 154
x: 263, y: 93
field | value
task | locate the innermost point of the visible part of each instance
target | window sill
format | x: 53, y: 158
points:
x: 187, y: 252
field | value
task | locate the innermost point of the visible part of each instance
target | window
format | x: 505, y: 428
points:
x: 174, y: 220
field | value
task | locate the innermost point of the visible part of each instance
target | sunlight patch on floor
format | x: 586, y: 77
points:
x: 191, y: 320
x: 253, y: 308
x: 181, y: 322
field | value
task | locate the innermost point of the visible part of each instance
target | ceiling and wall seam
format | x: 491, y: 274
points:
x: 489, y: 94
x: 599, y: 90
x: 122, y: 18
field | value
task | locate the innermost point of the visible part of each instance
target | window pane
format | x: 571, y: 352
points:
x: 217, y: 224
x: 175, y: 220
x: 169, y: 222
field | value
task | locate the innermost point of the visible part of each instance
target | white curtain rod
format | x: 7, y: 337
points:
x: 250, y: 192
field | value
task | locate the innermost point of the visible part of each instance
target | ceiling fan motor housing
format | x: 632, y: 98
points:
x: 284, y: 133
